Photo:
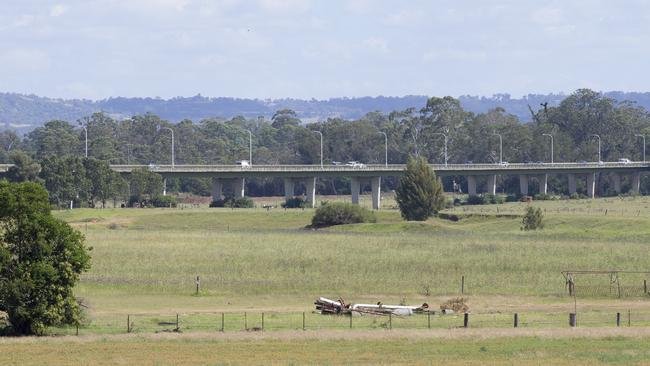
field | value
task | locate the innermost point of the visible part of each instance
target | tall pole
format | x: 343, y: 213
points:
x: 551, y: 136
x: 321, y: 148
x: 250, y: 147
x: 643, y: 137
x: 598, y: 137
x: 172, y: 131
x: 385, y: 147
x: 500, y: 147
x: 86, y: 133
x: 445, y: 136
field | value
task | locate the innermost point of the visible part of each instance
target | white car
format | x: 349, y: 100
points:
x: 504, y: 163
x: 243, y: 163
x: 624, y: 161
x: 355, y: 164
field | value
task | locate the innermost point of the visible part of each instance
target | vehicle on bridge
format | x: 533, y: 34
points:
x: 243, y: 163
x: 355, y: 164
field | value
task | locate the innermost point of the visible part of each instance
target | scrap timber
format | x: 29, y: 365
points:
x: 340, y: 307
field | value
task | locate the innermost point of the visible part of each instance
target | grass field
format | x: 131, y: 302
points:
x: 145, y: 262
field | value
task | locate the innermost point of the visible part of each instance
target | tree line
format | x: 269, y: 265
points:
x: 285, y: 139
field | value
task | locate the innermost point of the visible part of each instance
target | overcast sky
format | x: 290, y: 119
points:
x: 329, y: 48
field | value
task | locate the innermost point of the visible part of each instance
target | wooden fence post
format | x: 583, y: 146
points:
x: 465, y: 320
x: 572, y: 319
x: 128, y: 323
x: 350, y: 320
x: 262, y: 321
x: 303, y: 320
x: 618, y: 319
x: 516, y: 320
x: 245, y: 321
x: 198, y: 284
x: 390, y: 320
x: 629, y: 318
x: 462, y: 285
x: 429, y: 319
x: 177, y: 327
x: 222, y: 322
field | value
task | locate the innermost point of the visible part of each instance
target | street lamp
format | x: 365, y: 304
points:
x: 86, y: 133
x: 445, y: 136
x: 500, y: 147
x: 386, y: 147
x: 250, y: 147
x: 172, y: 131
x: 321, y: 148
x: 598, y: 137
x: 643, y: 137
x: 551, y: 136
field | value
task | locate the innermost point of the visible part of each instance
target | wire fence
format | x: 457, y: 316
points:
x: 312, y: 321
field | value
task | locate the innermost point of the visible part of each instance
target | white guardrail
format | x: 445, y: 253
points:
x: 382, y: 167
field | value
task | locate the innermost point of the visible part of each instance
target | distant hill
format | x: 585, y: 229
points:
x: 25, y: 112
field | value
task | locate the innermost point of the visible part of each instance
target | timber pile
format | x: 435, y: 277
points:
x: 327, y: 306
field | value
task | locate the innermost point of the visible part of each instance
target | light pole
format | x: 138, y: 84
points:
x: 250, y: 147
x: 551, y: 136
x: 385, y: 147
x: 598, y: 137
x: 643, y: 137
x: 321, y: 148
x: 500, y: 147
x: 445, y: 136
x: 172, y: 131
x: 86, y: 133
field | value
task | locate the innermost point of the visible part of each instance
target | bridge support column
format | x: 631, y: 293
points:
x: 616, y: 179
x: 523, y: 184
x: 288, y: 188
x: 572, y: 183
x: 375, y: 183
x: 355, y: 189
x: 238, y: 185
x: 471, y: 185
x: 591, y: 185
x: 492, y: 184
x: 217, y: 189
x: 636, y: 182
x: 310, y: 185
x: 543, y: 184
x: 164, y: 186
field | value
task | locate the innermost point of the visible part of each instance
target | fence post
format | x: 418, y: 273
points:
x: 618, y: 319
x: 629, y: 318
x: 128, y: 323
x: 262, y: 321
x: 572, y: 319
x: 177, y: 327
x: 303, y: 320
x: 198, y: 284
x: 245, y: 322
x: 222, y: 322
x: 516, y: 320
x: 462, y: 285
x: 390, y: 320
x: 645, y: 287
x: 429, y: 319
x: 350, y: 320
x: 465, y: 320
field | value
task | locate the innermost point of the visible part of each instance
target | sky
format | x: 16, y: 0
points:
x: 96, y: 49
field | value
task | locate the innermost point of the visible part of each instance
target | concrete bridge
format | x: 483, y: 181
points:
x: 234, y: 175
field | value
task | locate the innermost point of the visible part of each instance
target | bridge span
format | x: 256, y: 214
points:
x: 235, y: 175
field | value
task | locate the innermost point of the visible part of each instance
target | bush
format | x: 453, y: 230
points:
x: 232, y: 202
x: 163, y: 201
x: 533, y: 219
x: 476, y: 200
x: 493, y: 199
x: 295, y: 202
x: 513, y: 198
x: 340, y: 213
x: 419, y: 193
x: 543, y: 197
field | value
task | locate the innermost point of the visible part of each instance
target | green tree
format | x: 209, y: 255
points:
x: 145, y: 184
x: 419, y: 193
x: 41, y: 259
x: 25, y: 169
x: 103, y: 182
x: 65, y: 179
